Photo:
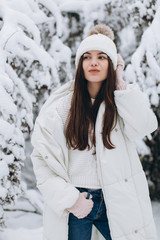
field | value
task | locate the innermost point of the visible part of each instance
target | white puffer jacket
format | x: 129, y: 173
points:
x: 123, y: 180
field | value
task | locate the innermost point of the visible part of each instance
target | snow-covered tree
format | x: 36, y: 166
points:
x: 145, y: 69
x: 30, y: 64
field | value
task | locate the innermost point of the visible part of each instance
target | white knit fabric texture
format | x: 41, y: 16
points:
x: 82, y: 168
x: 98, y: 42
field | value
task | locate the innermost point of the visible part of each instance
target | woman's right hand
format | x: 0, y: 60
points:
x: 82, y: 207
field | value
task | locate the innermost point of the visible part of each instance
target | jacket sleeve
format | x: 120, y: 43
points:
x: 134, y: 108
x: 50, y: 171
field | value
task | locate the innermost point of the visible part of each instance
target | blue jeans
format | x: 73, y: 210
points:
x: 81, y: 229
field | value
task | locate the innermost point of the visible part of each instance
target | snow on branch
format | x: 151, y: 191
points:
x: 53, y: 8
x: 145, y: 62
x: 20, y: 19
x: 30, y: 67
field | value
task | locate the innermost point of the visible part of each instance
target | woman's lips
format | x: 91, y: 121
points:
x: 94, y: 70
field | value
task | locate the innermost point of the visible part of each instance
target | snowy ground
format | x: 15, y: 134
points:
x: 23, y: 225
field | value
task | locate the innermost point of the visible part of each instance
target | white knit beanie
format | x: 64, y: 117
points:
x: 98, y: 42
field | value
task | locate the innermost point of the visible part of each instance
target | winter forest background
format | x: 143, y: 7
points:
x: 38, y: 41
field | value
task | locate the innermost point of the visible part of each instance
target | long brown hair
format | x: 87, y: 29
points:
x: 83, y: 113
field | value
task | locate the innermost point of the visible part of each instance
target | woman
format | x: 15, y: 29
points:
x: 84, y: 156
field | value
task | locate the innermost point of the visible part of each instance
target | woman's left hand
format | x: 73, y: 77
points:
x: 120, y: 83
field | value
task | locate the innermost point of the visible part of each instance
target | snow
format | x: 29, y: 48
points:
x: 6, y: 102
x: 72, y: 6
x: 156, y: 214
x: 23, y: 233
x: 34, y: 51
x: 142, y: 148
x: 25, y: 21
x: 52, y: 6
x: 145, y: 62
x: 6, y: 129
x: 128, y: 41
x: 30, y: 9
x: 4, y: 172
x: 3, y: 192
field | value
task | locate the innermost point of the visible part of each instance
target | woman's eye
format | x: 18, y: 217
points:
x: 85, y: 57
x: 102, y: 57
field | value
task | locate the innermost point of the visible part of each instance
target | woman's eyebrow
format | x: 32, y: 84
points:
x: 97, y: 54
x: 102, y: 53
x: 87, y: 53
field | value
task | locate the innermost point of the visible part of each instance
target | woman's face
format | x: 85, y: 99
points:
x: 95, y: 66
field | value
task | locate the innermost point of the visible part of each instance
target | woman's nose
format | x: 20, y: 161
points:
x: 94, y: 62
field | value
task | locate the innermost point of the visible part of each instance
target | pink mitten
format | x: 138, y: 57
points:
x: 120, y: 67
x: 82, y: 207
x: 120, y: 83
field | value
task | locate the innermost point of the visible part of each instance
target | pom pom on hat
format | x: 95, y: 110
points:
x: 103, y: 29
x: 97, y: 40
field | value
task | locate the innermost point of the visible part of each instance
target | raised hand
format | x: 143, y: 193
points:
x: 120, y: 83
